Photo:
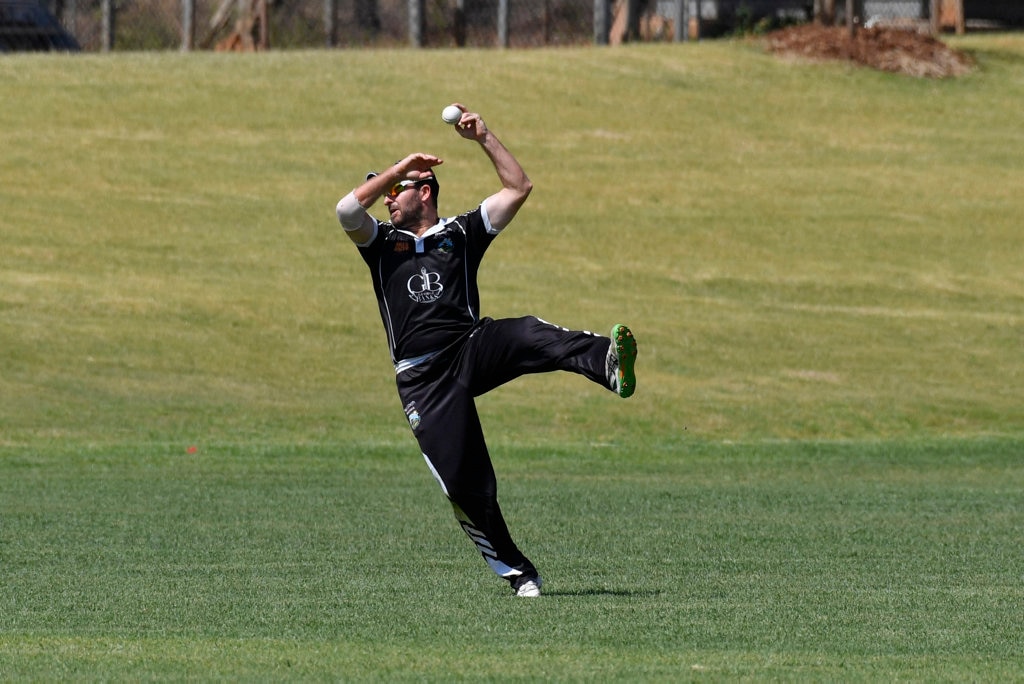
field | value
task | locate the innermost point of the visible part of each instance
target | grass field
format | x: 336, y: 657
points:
x: 819, y: 478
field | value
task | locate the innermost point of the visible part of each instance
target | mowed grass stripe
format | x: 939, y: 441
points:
x: 745, y: 559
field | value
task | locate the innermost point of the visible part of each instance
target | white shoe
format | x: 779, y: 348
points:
x: 530, y: 588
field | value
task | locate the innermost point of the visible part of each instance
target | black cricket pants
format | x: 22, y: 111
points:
x: 438, y: 398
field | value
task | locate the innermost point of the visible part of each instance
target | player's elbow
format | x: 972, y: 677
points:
x: 351, y: 214
x: 524, y: 189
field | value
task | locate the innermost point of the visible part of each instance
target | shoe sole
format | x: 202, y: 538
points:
x: 625, y: 349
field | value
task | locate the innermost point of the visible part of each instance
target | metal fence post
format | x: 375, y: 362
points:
x: 602, y: 21
x: 416, y: 23
x: 188, y: 25
x: 503, y: 23
x: 107, y: 29
x: 331, y: 22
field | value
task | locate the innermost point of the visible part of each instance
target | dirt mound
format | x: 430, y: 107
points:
x: 905, y: 51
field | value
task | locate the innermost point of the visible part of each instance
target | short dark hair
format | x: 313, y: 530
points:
x: 432, y: 183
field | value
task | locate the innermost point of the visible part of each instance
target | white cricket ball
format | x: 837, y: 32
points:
x: 451, y: 114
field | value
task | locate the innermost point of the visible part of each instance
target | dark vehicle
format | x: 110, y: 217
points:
x: 28, y: 26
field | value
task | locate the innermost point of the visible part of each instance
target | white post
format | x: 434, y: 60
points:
x: 107, y: 30
x: 503, y: 23
x: 188, y: 25
x: 416, y: 23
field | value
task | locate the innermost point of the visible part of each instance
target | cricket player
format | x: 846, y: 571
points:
x: 424, y: 273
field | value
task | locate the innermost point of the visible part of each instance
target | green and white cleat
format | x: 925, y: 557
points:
x: 620, y: 362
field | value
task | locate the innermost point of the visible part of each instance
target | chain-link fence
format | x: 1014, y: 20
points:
x: 151, y: 25
x: 282, y: 24
x: 177, y: 24
x: 173, y: 24
x: 895, y: 11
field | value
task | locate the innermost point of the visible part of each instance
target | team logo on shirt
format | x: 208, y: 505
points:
x: 412, y: 414
x: 425, y: 287
x: 446, y: 245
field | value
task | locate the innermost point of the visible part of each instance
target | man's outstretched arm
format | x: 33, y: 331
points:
x: 503, y: 205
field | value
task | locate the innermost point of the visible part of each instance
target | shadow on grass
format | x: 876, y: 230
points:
x: 631, y: 593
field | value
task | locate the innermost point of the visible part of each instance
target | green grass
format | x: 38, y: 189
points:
x: 805, y: 560
x: 819, y: 477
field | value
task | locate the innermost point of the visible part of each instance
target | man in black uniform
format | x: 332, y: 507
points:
x: 424, y: 272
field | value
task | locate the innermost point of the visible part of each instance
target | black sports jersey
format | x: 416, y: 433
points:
x: 426, y: 287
